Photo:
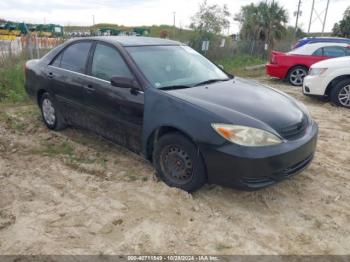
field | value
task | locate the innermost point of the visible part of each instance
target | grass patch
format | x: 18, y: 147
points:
x: 237, y: 64
x: 12, y: 82
x: 54, y: 149
x: 79, y: 163
x: 222, y: 246
x: 12, y: 122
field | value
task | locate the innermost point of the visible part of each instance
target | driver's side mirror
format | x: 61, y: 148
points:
x: 124, y: 82
x: 221, y: 67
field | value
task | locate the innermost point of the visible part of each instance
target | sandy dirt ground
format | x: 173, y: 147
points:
x: 74, y: 193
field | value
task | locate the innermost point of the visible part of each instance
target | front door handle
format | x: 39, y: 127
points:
x: 89, y: 88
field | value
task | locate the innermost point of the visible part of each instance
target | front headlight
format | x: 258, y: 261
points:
x: 317, y: 71
x: 246, y: 136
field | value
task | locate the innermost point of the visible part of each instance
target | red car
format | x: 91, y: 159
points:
x: 295, y: 64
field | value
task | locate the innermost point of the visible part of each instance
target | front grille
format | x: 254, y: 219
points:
x: 294, y: 131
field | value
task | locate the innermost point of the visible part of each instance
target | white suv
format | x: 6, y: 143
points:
x: 330, y: 78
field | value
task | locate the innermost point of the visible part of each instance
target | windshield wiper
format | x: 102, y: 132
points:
x: 211, y: 81
x: 174, y: 87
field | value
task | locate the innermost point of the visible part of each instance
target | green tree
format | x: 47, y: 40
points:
x: 211, y: 19
x: 264, y: 22
x: 292, y: 35
x: 248, y: 18
x: 342, y: 28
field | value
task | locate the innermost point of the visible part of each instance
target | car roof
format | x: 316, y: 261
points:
x: 133, y: 40
x: 323, y: 38
x: 306, y: 40
x: 310, y: 48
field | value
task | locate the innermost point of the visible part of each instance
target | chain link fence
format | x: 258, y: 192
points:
x: 228, y: 48
x: 31, y: 47
x: 26, y: 47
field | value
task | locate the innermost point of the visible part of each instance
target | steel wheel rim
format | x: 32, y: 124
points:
x: 344, y: 96
x: 48, y: 112
x: 297, y: 76
x: 176, y: 164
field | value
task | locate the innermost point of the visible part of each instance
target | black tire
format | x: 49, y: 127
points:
x: 58, y: 122
x: 296, y: 75
x: 179, y: 163
x: 340, y: 93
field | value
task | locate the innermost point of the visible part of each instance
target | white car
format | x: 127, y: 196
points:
x: 330, y: 78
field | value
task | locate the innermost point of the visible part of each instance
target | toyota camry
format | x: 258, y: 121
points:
x: 196, y: 123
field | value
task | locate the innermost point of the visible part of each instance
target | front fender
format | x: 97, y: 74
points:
x: 338, y: 74
x: 164, y: 110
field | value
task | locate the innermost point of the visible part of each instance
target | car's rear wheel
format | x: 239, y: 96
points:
x: 178, y: 162
x: 340, y: 94
x: 50, y: 114
x: 296, y: 75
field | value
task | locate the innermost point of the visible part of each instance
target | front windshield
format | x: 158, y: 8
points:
x: 166, y: 66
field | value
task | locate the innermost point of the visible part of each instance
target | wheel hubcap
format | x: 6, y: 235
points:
x: 176, y: 164
x: 344, y: 96
x: 48, y: 112
x: 297, y: 76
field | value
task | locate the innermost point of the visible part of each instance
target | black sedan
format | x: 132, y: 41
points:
x: 162, y: 99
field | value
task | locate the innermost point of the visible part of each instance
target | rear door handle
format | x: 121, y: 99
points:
x: 89, y: 88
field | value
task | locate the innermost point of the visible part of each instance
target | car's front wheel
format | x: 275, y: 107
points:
x: 296, y: 75
x: 50, y: 114
x: 340, y: 93
x: 178, y: 162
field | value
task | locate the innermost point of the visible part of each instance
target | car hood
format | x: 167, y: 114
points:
x: 334, y: 63
x: 244, y: 102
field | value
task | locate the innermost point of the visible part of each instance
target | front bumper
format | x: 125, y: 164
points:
x: 253, y: 168
x: 314, y: 85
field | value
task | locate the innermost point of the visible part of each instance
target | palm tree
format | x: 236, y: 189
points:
x: 273, y: 20
x: 264, y: 22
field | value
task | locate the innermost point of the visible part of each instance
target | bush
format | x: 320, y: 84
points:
x: 12, y: 82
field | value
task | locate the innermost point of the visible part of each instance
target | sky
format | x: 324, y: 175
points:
x: 152, y: 12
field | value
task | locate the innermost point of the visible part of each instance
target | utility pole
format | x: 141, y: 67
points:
x: 297, y: 19
x: 325, y: 17
x: 312, y: 12
x: 174, y: 14
x: 93, y: 20
x: 321, y: 17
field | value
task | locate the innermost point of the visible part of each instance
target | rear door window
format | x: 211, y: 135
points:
x: 334, y: 51
x: 107, y: 63
x: 347, y: 51
x: 74, y: 57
